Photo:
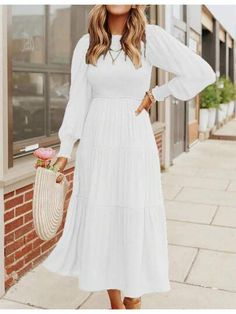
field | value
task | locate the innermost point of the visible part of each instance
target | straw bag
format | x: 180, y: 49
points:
x: 48, y: 202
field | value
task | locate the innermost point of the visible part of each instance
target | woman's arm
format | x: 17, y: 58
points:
x: 79, y: 97
x: 192, y: 72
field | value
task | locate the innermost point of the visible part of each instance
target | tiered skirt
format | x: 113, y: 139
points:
x: 115, y: 233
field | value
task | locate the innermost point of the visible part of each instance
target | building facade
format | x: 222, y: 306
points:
x: 36, y: 45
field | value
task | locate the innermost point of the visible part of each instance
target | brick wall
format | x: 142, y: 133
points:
x: 23, y: 249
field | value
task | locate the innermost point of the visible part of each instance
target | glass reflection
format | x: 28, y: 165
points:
x: 28, y: 39
x: 28, y: 105
x: 59, y: 92
x: 60, y: 34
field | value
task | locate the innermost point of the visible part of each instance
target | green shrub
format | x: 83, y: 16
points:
x: 226, y: 88
x: 210, y: 96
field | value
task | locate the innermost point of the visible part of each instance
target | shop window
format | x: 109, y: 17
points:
x: 40, y: 45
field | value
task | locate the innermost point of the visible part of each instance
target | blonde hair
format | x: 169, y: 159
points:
x: 100, y: 35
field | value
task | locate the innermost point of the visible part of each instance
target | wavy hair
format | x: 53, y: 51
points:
x: 100, y: 35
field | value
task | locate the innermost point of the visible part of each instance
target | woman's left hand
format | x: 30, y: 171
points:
x: 145, y: 104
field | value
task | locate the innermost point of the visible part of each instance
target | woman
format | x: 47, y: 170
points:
x: 114, y: 236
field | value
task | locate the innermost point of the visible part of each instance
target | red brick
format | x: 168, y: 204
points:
x: 30, y: 236
x: 23, y: 208
x: 14, y: 246
x: 9, y: 282
x: 23, y: 230
x: 24, y: 188
x: 37, y: 261
x: 25, y: 269
x: 15, y: 267
x: 9, y: 260
x: 13, y: 224
x: 28, y: 217
x: 37, y: 242
x: 8, y: 195
x: 35, y: 253
x: 14, y: 202
x: 49, y: 244
x: 9, y: 238
x: 25, y: 250
x: 29, y: 195
x: 9, y: 215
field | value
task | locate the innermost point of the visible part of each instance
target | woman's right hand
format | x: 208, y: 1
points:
x: 60, y: 164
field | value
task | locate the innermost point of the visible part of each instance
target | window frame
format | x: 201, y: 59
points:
x: 46, y: 69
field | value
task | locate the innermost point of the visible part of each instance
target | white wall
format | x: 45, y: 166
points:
x: 226, y: 15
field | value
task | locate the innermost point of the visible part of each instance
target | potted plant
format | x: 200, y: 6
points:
x: 225, y: 88
x: 209, y: 101
x: 232, y: 97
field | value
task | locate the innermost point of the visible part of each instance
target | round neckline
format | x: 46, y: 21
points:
x: 118, y: 35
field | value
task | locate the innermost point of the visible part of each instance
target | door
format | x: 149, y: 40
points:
x: 177, y: 111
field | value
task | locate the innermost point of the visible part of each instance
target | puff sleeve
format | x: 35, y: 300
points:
x: 192, y: 72
x: 79, y: 96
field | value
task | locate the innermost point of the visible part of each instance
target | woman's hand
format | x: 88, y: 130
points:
x: 145, y: 104
x: 60, y: 164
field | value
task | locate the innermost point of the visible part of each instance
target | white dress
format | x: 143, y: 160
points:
x: 115, y: 230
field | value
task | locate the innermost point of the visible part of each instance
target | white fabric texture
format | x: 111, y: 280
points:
x: 115, y: 233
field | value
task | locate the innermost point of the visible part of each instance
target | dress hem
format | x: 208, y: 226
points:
x: 165, y: 288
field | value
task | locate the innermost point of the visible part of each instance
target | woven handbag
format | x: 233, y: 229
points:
x: 48, y: 202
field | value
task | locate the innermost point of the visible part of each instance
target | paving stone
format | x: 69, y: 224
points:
x: 201, y: 236
x: 214, y: 269
x: 185, y: 296
x: 218, y: 172
x: 6, y: 304
x: 170, y: 192
x: 225, y: 216
x: 187, y: 181
x: 98, y: 300
x: 207, y: 196
x: 187, y: 211
x: 180, y: 169
x: 232, y: 186
x: 180, y: 261
x: 48, y: 290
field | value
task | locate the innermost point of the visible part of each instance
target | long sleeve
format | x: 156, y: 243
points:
x: 166, y: 52
x: 79, y: 96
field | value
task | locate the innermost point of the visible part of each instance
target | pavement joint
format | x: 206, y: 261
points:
x: 230, y: 181
x: 201, y: 248
x: 191, y: 266
x: 180, y: 190
x: 23, y: 303
x: 85, y: 300
x: 202, y: 286
x: 201, y: 223
x: 213, y: 217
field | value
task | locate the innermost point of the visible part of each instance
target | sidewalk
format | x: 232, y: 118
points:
x: 200, y: 198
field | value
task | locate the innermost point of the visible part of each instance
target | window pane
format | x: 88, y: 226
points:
x: 28, y: 40
x: 178, y: 11
x: 60, y: 34
x: 59, y: 91
x: 28, y: 105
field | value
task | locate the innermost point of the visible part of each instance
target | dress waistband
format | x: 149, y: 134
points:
x: 118, y: 97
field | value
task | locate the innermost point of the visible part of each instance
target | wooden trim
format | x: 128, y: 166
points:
x: 9, y: 86
x: 2, y: 144
x: 222, y: 34
x: 230, y: 41
x: 207, y: 19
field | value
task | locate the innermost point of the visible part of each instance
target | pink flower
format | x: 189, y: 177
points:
x: 44, y: 153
